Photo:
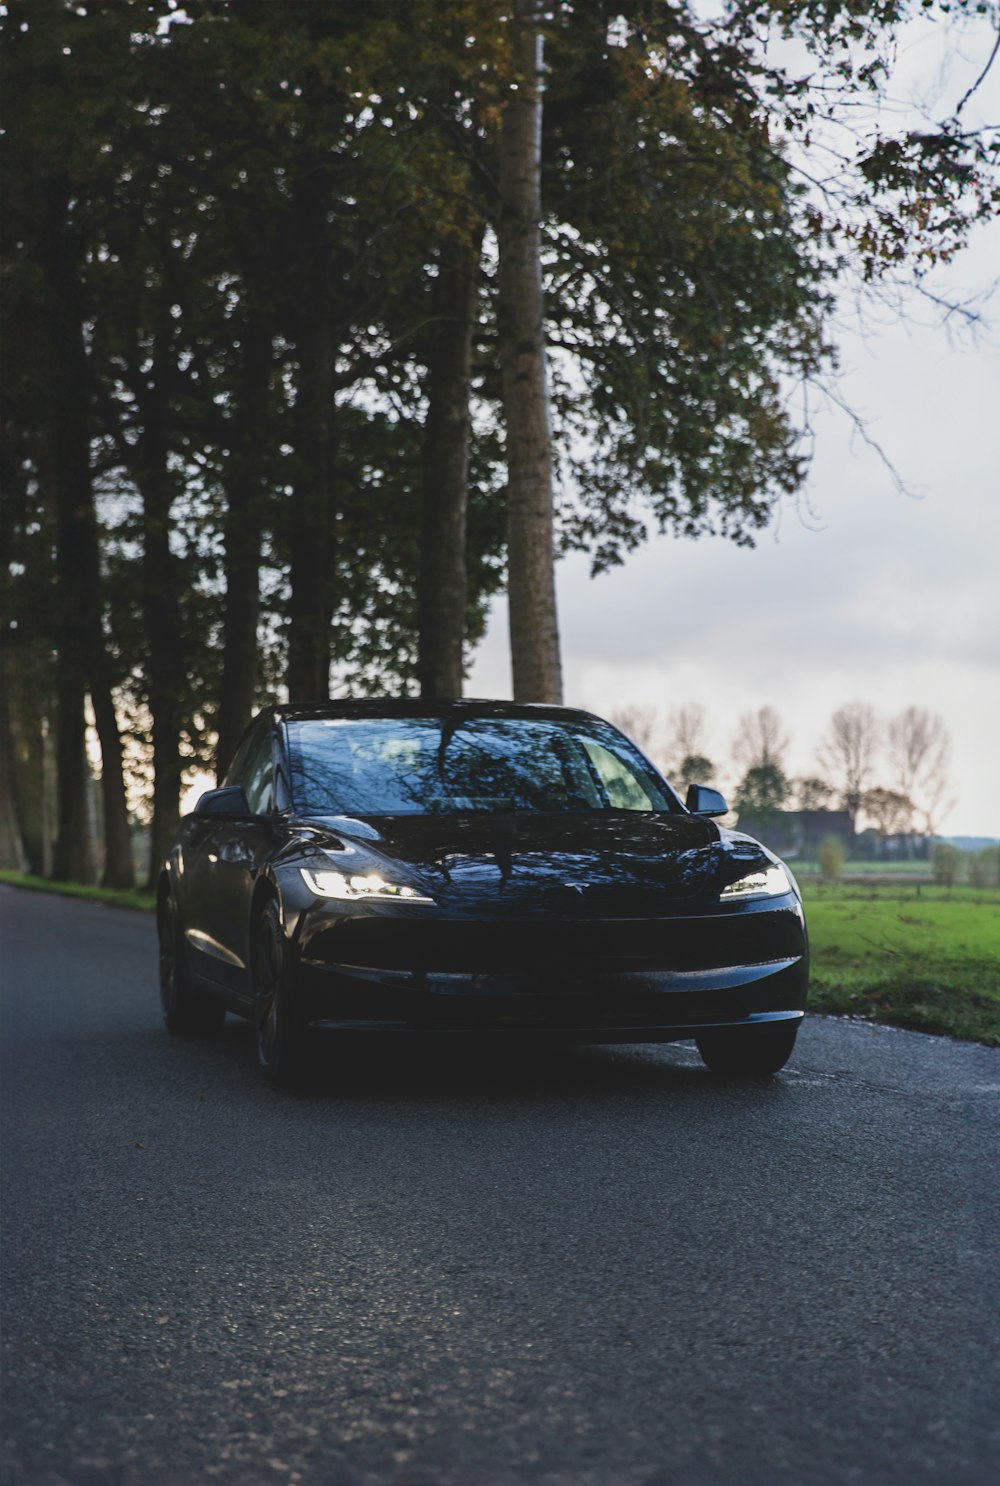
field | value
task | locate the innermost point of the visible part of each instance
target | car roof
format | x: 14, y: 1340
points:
x: 419, y: 707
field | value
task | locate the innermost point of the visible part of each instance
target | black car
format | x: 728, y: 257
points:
x: 485, y: 867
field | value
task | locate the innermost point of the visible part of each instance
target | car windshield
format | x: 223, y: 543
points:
x: 439, y: 766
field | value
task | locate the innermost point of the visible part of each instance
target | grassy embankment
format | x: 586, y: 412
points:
x: 910, y: 954
x: 913, y: 955
x: 78, y: 890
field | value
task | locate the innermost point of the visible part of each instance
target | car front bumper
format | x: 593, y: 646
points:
x: 626, y: 981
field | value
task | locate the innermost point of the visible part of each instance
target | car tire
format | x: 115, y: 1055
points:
x: 749, y: 1051
x: 185, y: 1008
x: 280, y: 1034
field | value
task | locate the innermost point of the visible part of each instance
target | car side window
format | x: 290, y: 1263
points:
x: 623, y: 789
x: 257, y: 774
x: 234, y: 773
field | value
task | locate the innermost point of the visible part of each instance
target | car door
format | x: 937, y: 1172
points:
x: 232, y: 854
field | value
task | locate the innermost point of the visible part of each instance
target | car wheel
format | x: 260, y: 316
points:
x: 755, y: 1050
x: 185, y: 1009
x: 280, y: 1039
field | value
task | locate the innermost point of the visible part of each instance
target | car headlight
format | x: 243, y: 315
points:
x: 770, y: 882
x: 370, y: 887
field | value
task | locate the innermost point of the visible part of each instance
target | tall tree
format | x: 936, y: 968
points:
x: 693, y: 258
x: 848, y: 752
x: 445, y: 486
x: 639, y: 722
x: 891, y: 811
x: 12, y: 854
x: 695, y: 768
x: 812, y: 793
x: 243, y: 530
x: 47, y: 246
x: 686, y: 741
x: 27, y: 582
x: 686, y: 288
x: 761, y: 741
x: 919, y: 750
x: 311, y: 519
x: 536, y: 661
x: 762, y: 792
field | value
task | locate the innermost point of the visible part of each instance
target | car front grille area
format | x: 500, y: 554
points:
x: 517, y: 946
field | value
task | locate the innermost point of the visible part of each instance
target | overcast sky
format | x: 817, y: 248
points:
x: 878, y: 596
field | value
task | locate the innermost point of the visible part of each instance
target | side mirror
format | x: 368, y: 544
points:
x: 701, y: 800
x: 229, y: 803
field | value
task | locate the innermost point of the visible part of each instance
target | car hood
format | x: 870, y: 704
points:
x: 603, y: 861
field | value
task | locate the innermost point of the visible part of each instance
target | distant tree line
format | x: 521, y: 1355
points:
x: 889, y: 774
x: 309, y: 307
x: 980, y: 869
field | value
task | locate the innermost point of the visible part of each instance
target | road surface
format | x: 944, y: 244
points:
x: 581, y: 1267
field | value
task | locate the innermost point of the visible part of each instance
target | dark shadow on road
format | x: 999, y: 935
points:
x: 457, y: 1069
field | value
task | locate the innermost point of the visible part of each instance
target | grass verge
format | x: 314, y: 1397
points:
x: 921, y: 870
x: 914, y: 956
x: 78, y: 890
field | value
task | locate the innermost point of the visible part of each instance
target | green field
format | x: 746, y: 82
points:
x: 914, y: 955
x: 901, y: 868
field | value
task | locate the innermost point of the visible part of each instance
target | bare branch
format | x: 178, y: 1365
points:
x: 981, y: 78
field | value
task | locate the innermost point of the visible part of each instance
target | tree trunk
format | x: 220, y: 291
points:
x: 64, y: 466
x: 12, y: 852
x: 30, y: 704
x: 119, y: 871
x: 82, y: 661
x: 242, y: 535
x: 534, y: 626
x: 311, y: 519
x: 12, y: 855
x: 82, y: 664
x: 312, y: 552
x: 72, y: 860
x: 443, y: 580
x: 166, y: 673
x: 119, y: 868
x: 63, y: 459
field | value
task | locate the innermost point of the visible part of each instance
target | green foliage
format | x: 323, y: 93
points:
x: 685, y: 286
x: 831, y: 856
x: 762, y: 791
x: 902, y: 200
x: 891, y: 810
x: 220, y: 162
x: 695, y: 769
x: 982, y: 868
x: 945, y: 862
x: 812, y: 793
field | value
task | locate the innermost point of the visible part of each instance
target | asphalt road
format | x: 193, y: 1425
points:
x: 585, y: 1267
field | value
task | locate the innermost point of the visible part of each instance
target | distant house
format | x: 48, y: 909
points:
x: 798, y: 833
x: 904, y: 846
